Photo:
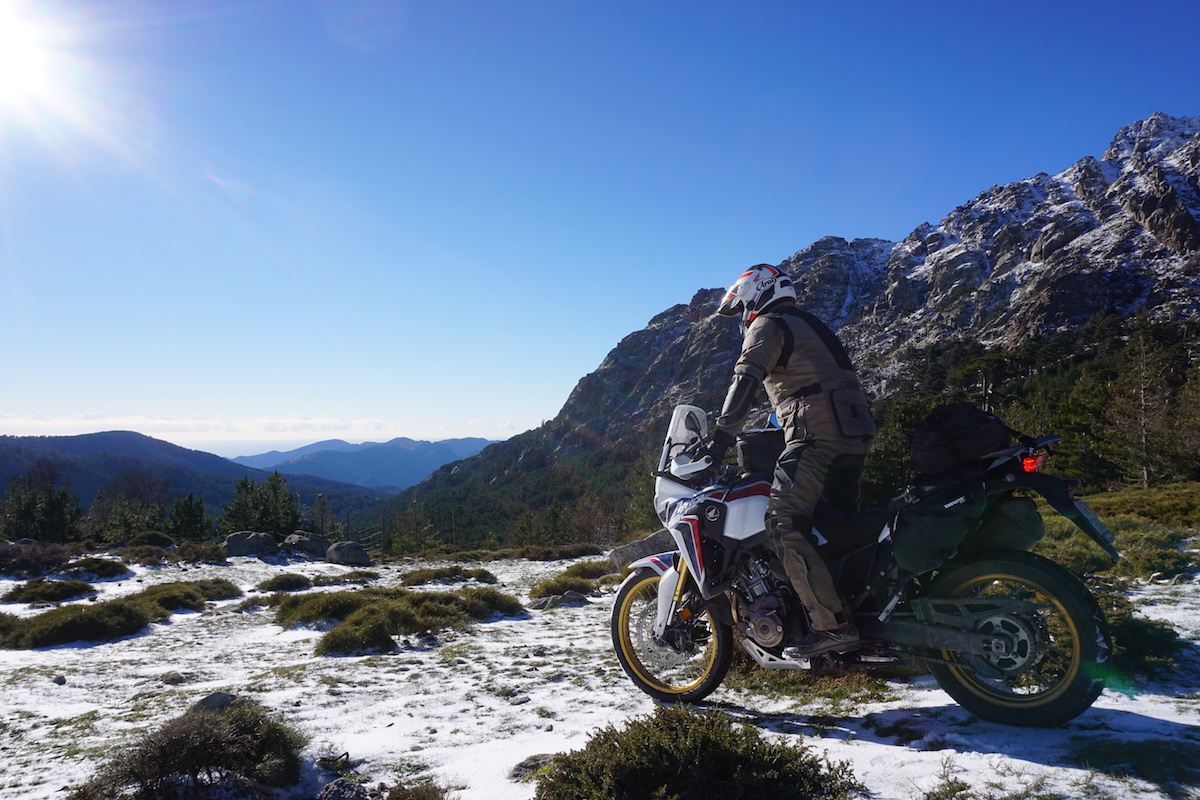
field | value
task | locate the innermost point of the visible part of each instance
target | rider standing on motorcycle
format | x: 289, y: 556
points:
x: 828, y: 428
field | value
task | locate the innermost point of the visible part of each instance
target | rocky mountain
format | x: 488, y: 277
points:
x: 1027, y: 259
x: 96, y: 459
x: 1119, y: 234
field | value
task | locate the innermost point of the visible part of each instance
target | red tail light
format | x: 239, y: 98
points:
x: 1032, y: 463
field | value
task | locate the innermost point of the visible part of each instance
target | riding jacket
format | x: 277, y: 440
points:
x: 808, y: 376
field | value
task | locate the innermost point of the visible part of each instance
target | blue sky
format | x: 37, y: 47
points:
x: 239, y: 225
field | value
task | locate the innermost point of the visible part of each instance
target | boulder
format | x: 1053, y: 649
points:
x: 249, y: 543
x: 312, y: 544
x: 652, y: 545
x: 351, y: 554
x: 217, y: 701
x: 570, y: 598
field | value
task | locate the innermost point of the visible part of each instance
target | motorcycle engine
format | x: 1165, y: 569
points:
x: 762, y: 621
x: 762, y: 618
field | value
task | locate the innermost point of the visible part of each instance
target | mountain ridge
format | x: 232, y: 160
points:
x: 391, y: 465
x: 94, y: 460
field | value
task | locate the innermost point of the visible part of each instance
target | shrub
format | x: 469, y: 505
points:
x: 452, y: 574
x: 370, y: 620
x: 482, y: 602
x: 151, y: 538
x: 1147, y: 547
x: 287, y: 582
x: 680, y: 753
x: 196, y: 553
x: 99, y: 623
x: 361, y: 576
x: 367, y: 630
x: 418, y: 791
x: 557, y: 552
x: 116, y: 618
x: 1174, y: 504
x: 89, y: 568
x: 21, y: 560
x: 561, y: 585
x: 147, y: 555
x: 328, y: 606
x: 232, y: 752
x: 40, y: 590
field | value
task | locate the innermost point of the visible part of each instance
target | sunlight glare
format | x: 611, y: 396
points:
x: 24, y: 57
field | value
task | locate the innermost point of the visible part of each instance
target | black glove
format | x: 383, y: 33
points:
x: 717, y: 447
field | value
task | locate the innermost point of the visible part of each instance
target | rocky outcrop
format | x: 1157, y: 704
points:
x: 351, y: 554
x: 311, y: 544
x: 250, y: 543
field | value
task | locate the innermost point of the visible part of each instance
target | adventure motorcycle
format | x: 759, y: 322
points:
x: 1013, y: 637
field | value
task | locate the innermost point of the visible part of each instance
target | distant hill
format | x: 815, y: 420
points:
x: 392, y: 465
x: 97, y: 458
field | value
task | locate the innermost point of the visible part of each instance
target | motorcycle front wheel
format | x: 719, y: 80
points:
x: 687, y: 664
x: 1057, y: 665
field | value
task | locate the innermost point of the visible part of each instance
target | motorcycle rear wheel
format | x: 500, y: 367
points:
x: 1058, y: 664
x: 686, y: 667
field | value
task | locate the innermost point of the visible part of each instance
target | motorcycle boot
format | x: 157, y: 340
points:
x: 842, y: 639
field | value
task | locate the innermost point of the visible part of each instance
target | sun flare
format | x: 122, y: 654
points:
x: 25, y: 57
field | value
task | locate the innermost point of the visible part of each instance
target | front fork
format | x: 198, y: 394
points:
x: 670, y: 597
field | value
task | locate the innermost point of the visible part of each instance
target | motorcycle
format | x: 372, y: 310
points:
x: 1012, y: 636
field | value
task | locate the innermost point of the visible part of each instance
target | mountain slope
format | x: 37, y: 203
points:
x: 97, y: 459
x: 1019, y: 262
x: 395, y: 464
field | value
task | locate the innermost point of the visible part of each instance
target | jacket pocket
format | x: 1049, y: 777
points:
x: 850, y: 412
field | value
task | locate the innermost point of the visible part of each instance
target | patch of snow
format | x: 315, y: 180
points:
x: 469, y: 706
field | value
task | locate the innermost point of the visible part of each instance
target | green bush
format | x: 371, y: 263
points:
x: 679, y: 753
x: 419, y: 791
x: 196, y: 553
x: 370, y: 618
x: 361, y: 576
x: 557, y: 552
x: 147, y: 555
x: 24, y: 560
x: 326, y: 607
x: 482, y: 602
x: 1146, y: 547
x: 367, y: 630
x: 287, y: 582
x: 561, y: 585
x: 102, y: 622
x: 1176, y: 505
x: 89, y: 568
x: 151, y: 538
x: 116, y: 618
x: 40, y: 590
x: 239, y: 751
x: 451, y: 574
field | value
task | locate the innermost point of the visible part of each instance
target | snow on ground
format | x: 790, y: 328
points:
x: 468, y: 707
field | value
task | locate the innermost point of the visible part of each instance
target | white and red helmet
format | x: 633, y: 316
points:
x: 757, y: 288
